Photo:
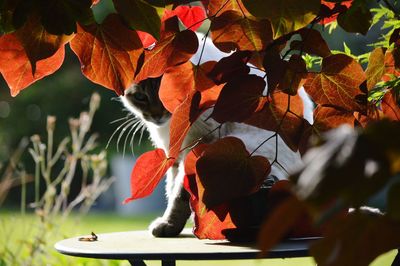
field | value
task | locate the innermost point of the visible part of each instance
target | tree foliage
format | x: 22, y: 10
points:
x: 150, y: 38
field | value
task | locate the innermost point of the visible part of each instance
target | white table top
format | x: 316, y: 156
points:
x: 141, y: 245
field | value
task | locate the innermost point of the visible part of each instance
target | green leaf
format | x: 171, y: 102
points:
x: 286, y: 15
x: 139, y: 15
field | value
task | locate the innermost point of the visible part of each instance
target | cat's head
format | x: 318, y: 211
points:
x: 142, y: 99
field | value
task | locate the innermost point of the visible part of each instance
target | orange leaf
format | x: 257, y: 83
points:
x: 173, y: 49
x: 312, y: 42
x: 18, y: 75
x: 179, y: 81
x: 231, y: 31
x: 147, y: 173
x: 108, y: 53
x: 335, y: 9
x: 227, y: 164
x: 239, y: 99
x: 338, y: 83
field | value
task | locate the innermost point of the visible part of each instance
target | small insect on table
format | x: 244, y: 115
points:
x: 137, y: 246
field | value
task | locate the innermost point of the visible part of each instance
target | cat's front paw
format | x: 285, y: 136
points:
x: 161, y: 227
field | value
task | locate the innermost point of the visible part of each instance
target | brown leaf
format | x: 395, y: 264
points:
x: 231, y: 31
x: 227, y: 164
x: 18, y: 75
x: 37, y: 42
x: 218, y: 7
x: 328, y: 117
x: 108, y: 53
x: 312, y: 43
x: 338, y: 83
x: 239, y: 99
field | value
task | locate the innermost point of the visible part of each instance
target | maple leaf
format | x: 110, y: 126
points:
x: 149, y: 169
x: 227, y: 163
x: 108, y: 53
x: 248, y: 89
x: 231, y: 30
x: 139, y: 15
x: 19, y: 74
x: 286, y: 16
x: 338, y: 83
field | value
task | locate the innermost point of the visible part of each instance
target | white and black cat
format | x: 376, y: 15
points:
x: 143, y: 101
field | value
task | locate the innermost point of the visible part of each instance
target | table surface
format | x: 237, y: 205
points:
x: 140, y: 245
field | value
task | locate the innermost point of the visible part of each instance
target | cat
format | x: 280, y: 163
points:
x: 143, y: 101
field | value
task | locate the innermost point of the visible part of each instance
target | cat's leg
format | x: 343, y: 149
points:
x: 178, y: 209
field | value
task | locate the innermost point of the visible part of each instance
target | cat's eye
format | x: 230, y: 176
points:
x: 140, y: 97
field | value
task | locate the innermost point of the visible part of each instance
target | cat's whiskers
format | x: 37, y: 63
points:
x: 123, y: 130
x: 128, y: 120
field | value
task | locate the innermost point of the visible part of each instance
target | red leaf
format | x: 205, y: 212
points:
x: 191, y: 16
x: 18, y: 75
x: 227, y: 164
x: 173, y: 49
x: 338, y: 83
x: 391, y: 106
x: 239, y: 99
x: 232, y: 31
x: 147, y: 173
x: 108, y: 53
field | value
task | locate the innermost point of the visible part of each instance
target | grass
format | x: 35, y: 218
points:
x: 16, y: 228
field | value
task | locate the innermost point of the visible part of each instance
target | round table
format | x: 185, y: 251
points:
x: 136, y: 246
